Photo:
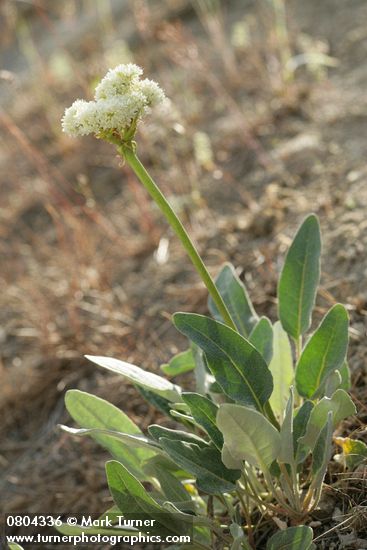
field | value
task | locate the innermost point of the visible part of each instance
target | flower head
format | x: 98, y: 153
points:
x: 121, y: 100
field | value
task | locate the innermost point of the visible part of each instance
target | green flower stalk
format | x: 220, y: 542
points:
x: 121, y: 100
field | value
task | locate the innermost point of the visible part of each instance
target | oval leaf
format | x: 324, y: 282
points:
x: 248, y: 435
x: 324, y: 352
x: 236, y: 364
x: 299, y: 278
x: 340, y: 404
x: 90, y: 411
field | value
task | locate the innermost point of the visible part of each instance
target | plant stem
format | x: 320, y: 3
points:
x: 127, y: 151
x: 247, y: 515
x: 131, y: 158
x: 298, y: 343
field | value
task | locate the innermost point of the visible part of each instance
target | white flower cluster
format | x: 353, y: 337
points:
x: 121, y: 100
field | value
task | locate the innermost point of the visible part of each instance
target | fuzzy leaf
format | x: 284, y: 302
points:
x: 158, y: 402
x: 293, y: 538
x: 172, y: 488
x: 230, y: 462
x: 345, y: 374
x: 248, y: 435
x: 281, y: 367
x: 235, y: 297
x: 157, y: 432
x: 324, y: 352
x: 136, y: 441
x: 332, y: 383
x: 340, y: 404
x: 133, y: 500
x: 237, y: 366
x: 140, y: 377
x: 179, y: 364
x: 299, y: 278
x: 205, y: 464
x: 204, y: 412
x: 203, y: 376
x: 92, y: 412
x: 262, y: 338
x: 300, y: 422
x: 286, y: 433
x: 322, y: 451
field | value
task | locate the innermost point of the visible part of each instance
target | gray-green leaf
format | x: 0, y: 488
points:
x: 92, y: 412
x: 138, y: 441
x: 179, y: 364
x: 262, y: 338
x: 132, y: 499
x: 171, y: 487
x: 324, y: 352
x: 248, y: 435
x: 299, y: 278
x: 286, y: 454
x: 293, y: 538
x: 300, y: 422
x: 140, y: 377
x: 205, y: 464
x: 236, y: 364
x: 204, y: 411
x: 322, y: 451
x: 340, y: 404
x: 157, y: 432
x: 281, y: 367
x: 236, y: 298
x: 345, y: 374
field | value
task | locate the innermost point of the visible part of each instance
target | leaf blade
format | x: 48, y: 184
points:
x: 262, y: 338
x: 204, y: 463
x: 236, y: 364
x: 299, y: 278
x: 204, y: 411
x: 90, y: 411
x: 236, y: 298
x: 324, y: 352
x: 248, y: 435
x: 281, y: 367
x: 293, y: 538
x: 140, y: 377
x: 340, y: 404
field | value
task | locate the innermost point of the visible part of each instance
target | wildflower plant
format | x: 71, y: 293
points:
x: 256, y: 434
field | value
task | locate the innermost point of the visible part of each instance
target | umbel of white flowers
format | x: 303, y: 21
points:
x: 121, y: 99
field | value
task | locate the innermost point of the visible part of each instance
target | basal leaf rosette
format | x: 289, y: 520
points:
x: 121, y: 100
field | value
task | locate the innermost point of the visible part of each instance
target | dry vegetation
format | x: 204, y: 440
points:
x: 251, y: 145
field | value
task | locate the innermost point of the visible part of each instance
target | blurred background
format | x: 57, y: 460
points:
x: 266, y: 123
